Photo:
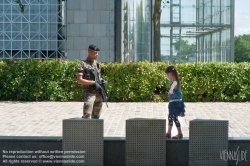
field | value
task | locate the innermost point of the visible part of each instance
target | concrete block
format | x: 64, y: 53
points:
x: 177, y: 152
x: 87, y: 30
x: 100, y: 5
x: 110, y: 30
x: 114, y: 149
x: 100, y: 30
x: 80, y: 17
x: 102, y: 56
x: 110, y: 56
x: 207, y: 138
x: 112, y: 43
x: 94, y: 17
x: 87, y: 5
x: 114, y: 152
x: 94, y: 40
x: 73, y: 54
x: 112, y: 18
x: 70, y: 16
x: 104, y: 17
x: 73, y: 30
x: 70, y: 44
x: 80, y: 134
x: 111, y: 5
x: 79, y: 43
x: 145, y: 142
x: 73, y: 5
x: 83, y: 54
x: 105, y: 43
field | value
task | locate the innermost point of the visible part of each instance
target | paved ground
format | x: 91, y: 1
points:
x: 45, y: 118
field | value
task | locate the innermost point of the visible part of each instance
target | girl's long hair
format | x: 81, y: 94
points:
x: 172, y: 69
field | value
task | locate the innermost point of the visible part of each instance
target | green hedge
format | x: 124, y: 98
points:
x: 34, y: 80
x: 55, y: 80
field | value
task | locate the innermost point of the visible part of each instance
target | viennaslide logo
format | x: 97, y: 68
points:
x: 235, y: 155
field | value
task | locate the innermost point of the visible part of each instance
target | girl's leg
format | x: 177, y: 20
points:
x: 178, y: 126
x: 169, y: 129
x: 170, y: 125
x: 179, y: 130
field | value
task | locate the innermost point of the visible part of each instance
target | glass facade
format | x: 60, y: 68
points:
x: 197, y: 30
x: 37, y: 32
x: 137, y: 25
x: 194, y: 30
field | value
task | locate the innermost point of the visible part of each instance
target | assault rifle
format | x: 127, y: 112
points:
x: 102, y: 86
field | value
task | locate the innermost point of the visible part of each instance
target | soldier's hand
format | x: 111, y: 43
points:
x: 97, y: 86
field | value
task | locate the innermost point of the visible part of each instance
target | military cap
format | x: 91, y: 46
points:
x: 93, y: 47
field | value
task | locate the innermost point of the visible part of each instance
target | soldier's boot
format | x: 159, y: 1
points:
x: 86, y: 116
x: 95, y: 117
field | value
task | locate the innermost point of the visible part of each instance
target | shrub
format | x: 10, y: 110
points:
x: 55, y: 80
x: 32, y: 80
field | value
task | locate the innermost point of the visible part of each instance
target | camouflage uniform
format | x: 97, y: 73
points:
x: 92, y: 98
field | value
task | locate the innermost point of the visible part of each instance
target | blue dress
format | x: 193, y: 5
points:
x: 176, y: 108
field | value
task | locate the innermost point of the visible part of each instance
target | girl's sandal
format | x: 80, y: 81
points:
x: 178, y: 136
x: 168, y: 135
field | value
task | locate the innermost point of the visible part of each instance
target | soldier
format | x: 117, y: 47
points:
x: 92, y: 96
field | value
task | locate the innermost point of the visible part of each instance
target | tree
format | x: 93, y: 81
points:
x: 242, y: 48
x: 157, y: 29
x: 22, y: 6
x: 184, y: 49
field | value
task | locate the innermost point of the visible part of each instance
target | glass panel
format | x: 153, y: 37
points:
x: 35, y: 29
x: 188, y: 10
x: 203, y: 33
x: 137, y: 30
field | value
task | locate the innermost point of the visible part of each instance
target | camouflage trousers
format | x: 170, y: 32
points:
x: 92, y: 105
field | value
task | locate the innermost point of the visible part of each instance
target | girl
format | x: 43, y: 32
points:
x: 176, y: 106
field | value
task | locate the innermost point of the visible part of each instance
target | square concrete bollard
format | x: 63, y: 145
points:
x: 207, y: 140
x: 83, y: 139
x: 145, y: 142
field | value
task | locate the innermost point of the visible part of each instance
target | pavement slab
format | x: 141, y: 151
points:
x: 45, y: 118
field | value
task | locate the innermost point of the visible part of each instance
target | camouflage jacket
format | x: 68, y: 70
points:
x: 85, y: 69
